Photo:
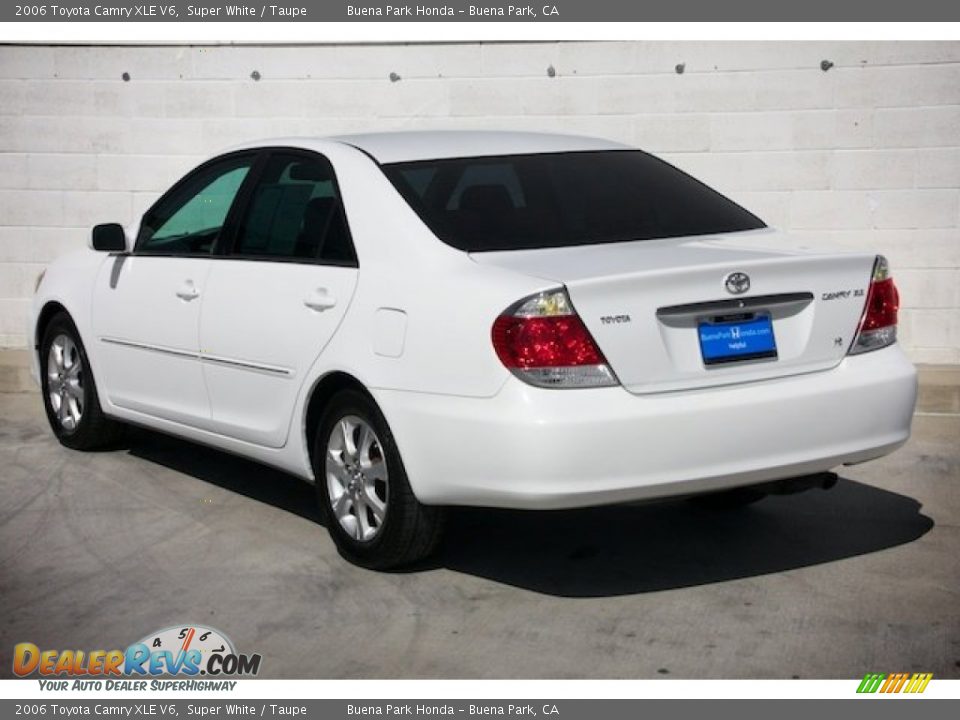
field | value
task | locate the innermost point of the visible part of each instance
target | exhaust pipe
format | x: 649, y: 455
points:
x: 790, y: 486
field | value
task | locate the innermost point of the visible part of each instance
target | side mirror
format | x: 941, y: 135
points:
x: 109, y: 237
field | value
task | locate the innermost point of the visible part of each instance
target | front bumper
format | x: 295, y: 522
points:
x: 32, y: 350
x: 545, y: 449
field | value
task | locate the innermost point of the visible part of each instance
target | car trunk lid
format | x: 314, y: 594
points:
x: 656, y: 308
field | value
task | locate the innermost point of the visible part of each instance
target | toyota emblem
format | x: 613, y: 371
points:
x: 737, y: 283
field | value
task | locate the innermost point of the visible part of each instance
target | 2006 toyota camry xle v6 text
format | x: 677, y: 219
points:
x: 420, y: 320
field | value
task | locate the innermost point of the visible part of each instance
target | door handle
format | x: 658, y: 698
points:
x: 320, y: 299
x: 188, y: 291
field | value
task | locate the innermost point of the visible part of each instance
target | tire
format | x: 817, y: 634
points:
x: 365, y: 498
x: 729, y: 499
x: 69, y: 390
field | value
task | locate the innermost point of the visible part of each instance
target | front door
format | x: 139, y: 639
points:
x: 146, y: 304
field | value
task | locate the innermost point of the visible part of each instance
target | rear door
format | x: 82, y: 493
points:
x: 146, y: 304
x: 277, y: 297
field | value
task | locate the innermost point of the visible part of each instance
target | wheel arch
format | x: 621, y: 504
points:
x: 321, y: 394
x: 47, y: 313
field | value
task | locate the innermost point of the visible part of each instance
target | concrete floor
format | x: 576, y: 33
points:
x: 97, y: 550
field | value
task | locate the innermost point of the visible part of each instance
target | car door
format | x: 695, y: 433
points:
x: 277, y: 298
x: 146, y: 304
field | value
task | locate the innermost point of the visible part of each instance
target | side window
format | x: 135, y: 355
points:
x: 188, y: 221
x: 295, y: 213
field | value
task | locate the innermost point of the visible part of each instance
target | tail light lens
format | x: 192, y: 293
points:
x: 544, y: 342
x: 878, y: 327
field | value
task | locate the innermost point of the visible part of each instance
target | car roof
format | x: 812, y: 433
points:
x: 433, y: 145
x: 410, y: 146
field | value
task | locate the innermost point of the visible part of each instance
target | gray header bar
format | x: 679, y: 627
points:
x: 209, y: 707
x: 482, y: 11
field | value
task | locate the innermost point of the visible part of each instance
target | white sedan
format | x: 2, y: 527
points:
x: 419, y: 320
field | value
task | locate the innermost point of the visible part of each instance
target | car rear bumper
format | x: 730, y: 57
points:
x: 545, y: 449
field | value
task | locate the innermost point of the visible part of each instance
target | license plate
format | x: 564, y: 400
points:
x: 726, y: 341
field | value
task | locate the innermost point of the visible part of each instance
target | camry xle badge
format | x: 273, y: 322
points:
x: 737, y: 283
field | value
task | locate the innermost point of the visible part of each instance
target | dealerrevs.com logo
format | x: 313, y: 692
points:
x: 178, y: 651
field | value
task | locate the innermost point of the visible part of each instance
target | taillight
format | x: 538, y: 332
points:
x: 878, y: 327
x: 543, y: 341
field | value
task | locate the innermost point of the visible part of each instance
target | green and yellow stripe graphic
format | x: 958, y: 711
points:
x: 894, y: 683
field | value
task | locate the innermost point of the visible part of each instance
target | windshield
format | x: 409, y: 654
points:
x: 552, y: 200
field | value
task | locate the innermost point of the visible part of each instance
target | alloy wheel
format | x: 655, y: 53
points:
x: 357, y: 479
x: 65, y: 382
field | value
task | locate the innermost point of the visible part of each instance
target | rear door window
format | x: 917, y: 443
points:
x: 295, y: 213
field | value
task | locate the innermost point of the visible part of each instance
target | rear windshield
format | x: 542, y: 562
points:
x: 551, y: 200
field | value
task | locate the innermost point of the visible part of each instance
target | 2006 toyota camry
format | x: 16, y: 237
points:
x: 418, y: 320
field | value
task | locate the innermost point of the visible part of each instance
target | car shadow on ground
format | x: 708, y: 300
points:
x: 608, y: 551
x: 621, y: 550
x: 230, y: 472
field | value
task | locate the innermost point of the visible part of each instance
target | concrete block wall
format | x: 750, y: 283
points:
x: 864, y: 154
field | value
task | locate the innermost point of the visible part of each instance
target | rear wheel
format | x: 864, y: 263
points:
x: 69, y: 390
x: 370, y: 511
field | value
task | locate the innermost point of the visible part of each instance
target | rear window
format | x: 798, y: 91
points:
x: 559, y: 199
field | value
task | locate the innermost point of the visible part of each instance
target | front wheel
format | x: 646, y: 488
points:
x: 370, y: 511
x: 69, y: 391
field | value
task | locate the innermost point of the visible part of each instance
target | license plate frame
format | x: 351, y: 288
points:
x: 747, y: 337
